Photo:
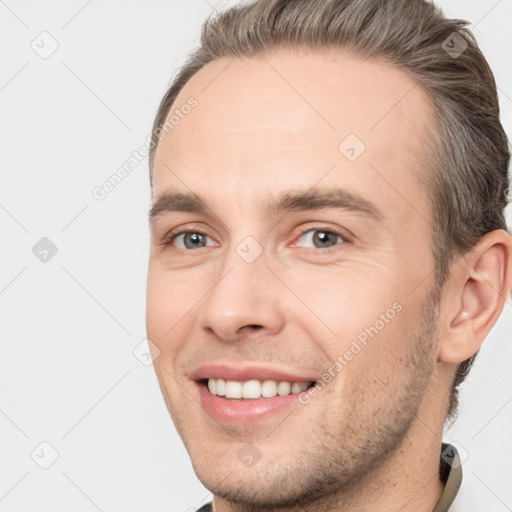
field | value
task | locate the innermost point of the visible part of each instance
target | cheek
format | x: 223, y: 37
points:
x: 165, y: 306
x: 173, y: 300
x: 345, y: 305
x: 390, y: 350
x: 156, y: 305
x: 169, y: 296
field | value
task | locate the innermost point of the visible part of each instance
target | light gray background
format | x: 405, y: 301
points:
x: 68, y: 375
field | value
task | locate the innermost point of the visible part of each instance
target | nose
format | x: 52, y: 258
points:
x: 243, y: 299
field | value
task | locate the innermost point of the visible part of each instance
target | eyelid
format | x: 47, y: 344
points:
x: 345, y: 234
x: 171, y: 235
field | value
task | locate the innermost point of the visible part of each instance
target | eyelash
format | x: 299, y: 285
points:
x: 323, y: 229
x: 170, y: 237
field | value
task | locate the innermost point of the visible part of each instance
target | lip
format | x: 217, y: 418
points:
x: 249, y: 372
x: 245, y: 410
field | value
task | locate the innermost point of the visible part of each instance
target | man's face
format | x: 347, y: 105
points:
x: 255, y: 288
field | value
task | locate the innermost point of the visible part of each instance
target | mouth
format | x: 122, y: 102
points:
x: 245, y: 394
x: 249, y: 401
x: 254, y: 389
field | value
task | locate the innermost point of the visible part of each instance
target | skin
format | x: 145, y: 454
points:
x: 370, y: 439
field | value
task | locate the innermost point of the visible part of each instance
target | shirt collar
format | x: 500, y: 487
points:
x: 450, y: 471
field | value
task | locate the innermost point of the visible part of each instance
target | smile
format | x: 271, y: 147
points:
x: 254, y: 389
x: 246, y: 394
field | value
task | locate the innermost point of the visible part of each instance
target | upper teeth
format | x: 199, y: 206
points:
x: 254, y: 388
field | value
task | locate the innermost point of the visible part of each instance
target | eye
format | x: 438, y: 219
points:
x: 320, y: 238
x: 189, y: 240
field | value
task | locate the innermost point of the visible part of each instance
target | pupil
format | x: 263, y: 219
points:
x: 324, y: 238
x: 193, y: 240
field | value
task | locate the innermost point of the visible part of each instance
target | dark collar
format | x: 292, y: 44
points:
x: 450, y: 472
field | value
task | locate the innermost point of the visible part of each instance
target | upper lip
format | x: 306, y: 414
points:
x: 246, y: 372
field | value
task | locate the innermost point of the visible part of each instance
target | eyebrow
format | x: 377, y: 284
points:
x: 296, y: 200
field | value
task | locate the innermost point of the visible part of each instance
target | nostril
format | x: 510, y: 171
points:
x: 249, y: 327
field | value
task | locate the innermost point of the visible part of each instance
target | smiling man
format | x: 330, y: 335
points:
x: 329, y: 251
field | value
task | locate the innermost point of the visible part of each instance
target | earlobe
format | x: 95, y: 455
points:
x: 480, y: 285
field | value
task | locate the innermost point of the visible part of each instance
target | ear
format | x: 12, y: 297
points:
x: 474, y: 296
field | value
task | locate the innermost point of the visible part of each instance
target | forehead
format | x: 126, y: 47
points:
x: 291, y: 116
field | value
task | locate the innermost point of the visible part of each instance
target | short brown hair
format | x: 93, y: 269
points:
x: 466, y: 157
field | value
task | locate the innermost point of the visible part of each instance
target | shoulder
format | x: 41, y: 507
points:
x: 205, y: 508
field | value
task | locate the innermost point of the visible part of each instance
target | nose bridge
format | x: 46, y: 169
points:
x: 243, y: 293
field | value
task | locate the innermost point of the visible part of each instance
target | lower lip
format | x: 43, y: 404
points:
x: 242, y: 411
